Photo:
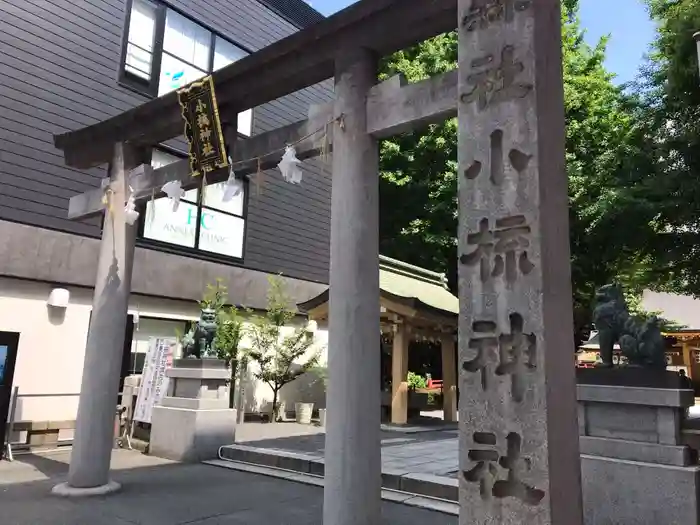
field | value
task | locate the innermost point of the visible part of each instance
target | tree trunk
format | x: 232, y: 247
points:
x: 232, y: 383
x: 240, y: 404
x: 275, y: 415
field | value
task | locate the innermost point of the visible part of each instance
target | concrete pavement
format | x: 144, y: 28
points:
x: 419, y: 450
x: 160, y: 492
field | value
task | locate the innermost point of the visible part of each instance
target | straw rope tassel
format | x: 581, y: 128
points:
x: 204, y: 187
x: 152, y: 215
x: 326, y: 144
x: 259, y: 179
x: 107, y: 200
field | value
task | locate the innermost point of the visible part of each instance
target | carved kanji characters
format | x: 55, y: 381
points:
x: 484, y: 241
x: 203, y: 121
x: 487, y: 474
x: 484, y: 341
x: 517, y: 353
x: 502, y: 251
x: 518, y: 160
x: 513, y: 486
x: 485, y: 471
x: 207, y: 149
x: 511, y: 247
x: 483, y: 13
x: 494, y: 84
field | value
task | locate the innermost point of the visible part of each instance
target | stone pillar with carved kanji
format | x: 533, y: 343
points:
x: 519, y: 454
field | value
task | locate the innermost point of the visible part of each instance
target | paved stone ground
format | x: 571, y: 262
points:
x: 160, y: 492
x: 428, y: 452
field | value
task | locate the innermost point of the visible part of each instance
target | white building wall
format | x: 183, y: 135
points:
x: 683, y: 309
x: 304, y: 389
x: 52, y: 348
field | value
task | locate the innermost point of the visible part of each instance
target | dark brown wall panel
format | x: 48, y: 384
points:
x: 58, y: 71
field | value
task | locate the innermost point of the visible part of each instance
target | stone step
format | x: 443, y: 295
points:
x: 429, y: 485
x: 395, y: 496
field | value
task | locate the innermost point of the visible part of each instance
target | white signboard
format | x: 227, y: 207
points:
x: 154, y: 382
x: 221, y: 226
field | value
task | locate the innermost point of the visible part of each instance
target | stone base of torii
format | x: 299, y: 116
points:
x: 518, y: 439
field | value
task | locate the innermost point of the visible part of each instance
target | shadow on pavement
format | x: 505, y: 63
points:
x: 164, y: 493
x: 51, y: 468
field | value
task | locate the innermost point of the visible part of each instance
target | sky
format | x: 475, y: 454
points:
x: 626, y: 21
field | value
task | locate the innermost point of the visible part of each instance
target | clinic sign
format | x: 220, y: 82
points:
x: 218, y: 232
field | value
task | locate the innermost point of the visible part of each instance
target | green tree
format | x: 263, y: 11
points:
x: 229, y: 335
x: 609, y: 223
x: 281, y: 359
x: 230, y: 330
x: 669, y: 117
x: 418, y: 172
x: 214, y: 296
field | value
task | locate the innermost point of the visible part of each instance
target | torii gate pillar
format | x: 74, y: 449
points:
x: 94, y: 431
x: 352, y: 493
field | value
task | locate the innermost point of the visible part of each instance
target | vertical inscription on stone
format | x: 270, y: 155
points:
x: 518, y: 160
x: 516, y: 334
x: 486, y: 12
x: 516, y: 353
x: 495, y: 82
x: 489, y: 476
x: 501, y: 251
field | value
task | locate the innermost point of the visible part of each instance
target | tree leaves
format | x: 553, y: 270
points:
x: 669, y: 120
x: 280, y: 358
x: 612, y: 219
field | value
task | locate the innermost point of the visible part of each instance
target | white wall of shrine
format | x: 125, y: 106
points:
x: 682, y: 309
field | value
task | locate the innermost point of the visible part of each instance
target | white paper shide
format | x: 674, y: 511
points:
x: 290, y: 166
x: 174, y: 191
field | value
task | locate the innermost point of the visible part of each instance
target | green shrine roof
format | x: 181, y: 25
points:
x: 410, y: 285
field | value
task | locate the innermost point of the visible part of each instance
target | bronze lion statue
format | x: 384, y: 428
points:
x: 640, y: 342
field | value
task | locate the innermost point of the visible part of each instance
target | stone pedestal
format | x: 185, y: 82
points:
x: 634, y: 467
x: 194, y: 419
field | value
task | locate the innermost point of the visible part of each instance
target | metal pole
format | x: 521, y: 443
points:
x: 11, y: 423
x: 240, y: 402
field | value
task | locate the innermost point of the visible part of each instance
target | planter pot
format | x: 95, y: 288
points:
x: 322, y: 416
x: 303, y: 412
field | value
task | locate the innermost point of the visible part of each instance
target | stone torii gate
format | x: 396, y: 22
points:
x: 519, y: 438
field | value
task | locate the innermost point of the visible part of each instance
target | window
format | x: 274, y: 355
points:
x: 141, y: 40
x: 164, y: 51
x: 214, y: 226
